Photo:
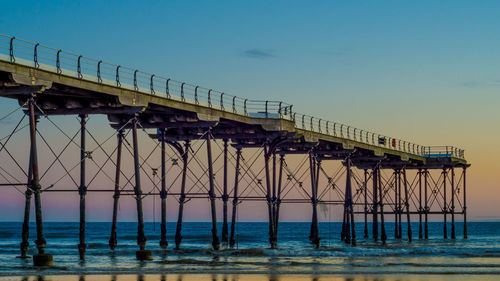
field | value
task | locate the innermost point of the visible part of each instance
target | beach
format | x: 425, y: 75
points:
x: 475, y: 258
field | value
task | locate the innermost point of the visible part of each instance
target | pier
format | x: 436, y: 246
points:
x: 211, y: 145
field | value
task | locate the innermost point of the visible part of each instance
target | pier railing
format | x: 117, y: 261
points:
x: 69, y: 64
x: 443, y: 151
x: 344, y: 131
x: 81, y: 67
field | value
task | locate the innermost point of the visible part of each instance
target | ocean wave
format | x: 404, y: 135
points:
x: 477, y: 255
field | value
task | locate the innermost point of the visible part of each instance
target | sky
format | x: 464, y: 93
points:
x: 425, y: 71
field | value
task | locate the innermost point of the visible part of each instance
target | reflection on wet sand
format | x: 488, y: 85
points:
x: 244, y: 277
x: 189, y: 277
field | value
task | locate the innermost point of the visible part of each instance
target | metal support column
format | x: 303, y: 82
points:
x: 273, y: 197
x: 465, y: 202
x: 350, y: 206
x: 383, y: 235
x: 314, y: 168
x: 420, y: 230
x: 343, y: 232
x: 267, y: 156
x: 142, y: 253
x: 163, y: 193
x: 396, y: 183
x: 211, y: 192
x: 375, y: 173
x: 344, y: 224
x: 345, y: 235
x: 232, y: 239
x: 426, y: 204
x: 366, y: 202
x: 182, y: 198
x: 400, y: 208
x: 278, y: 199
x: 27, y: 205
x: 407, y: 205
x: 40, y: 259
x: 452, y: 210
x: 445, y: 207
x: 25, y: 234
x: 116, y: 195
x: 225, y: 198
x: 82, y: 189
x: 316, y: 174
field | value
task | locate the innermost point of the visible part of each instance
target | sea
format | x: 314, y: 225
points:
x: 474, y: 258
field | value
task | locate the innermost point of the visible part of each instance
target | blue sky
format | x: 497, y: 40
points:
x: 426, y: 71
x: 281, y: 48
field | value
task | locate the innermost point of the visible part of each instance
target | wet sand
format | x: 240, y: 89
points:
x: 253, y: 277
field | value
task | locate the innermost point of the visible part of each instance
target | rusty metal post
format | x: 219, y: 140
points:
x: 211, y: 193
x: 142, y: 253
x: 232, y: 239
x: 407, y: 205
x: 420, y: 233
x: 40, y: 259
x: 426, y: 204
x: 116, y: 195
x: 163, y: 193
x: 465, y: 202
x: 82, y: 189
x: 375, y: 175
x: 225, y: 198
x: 452, y: 210
x: 445, y: 207
x: 365, y: 191
x: 182, y: 198
x: 268, y: 197
x: 383, y: 235
x: 26, y: 222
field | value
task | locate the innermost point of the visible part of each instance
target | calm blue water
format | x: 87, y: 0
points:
x: 479, y: 254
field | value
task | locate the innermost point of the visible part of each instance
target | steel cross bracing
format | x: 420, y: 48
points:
x: 190, y: 147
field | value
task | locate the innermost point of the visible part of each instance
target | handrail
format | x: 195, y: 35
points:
x: 50, y: 59
x: 59, y: 62
x: 364, y: 136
